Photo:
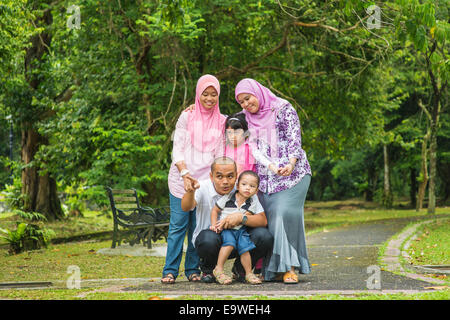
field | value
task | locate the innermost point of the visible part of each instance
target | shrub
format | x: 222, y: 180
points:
x: 27, y: 236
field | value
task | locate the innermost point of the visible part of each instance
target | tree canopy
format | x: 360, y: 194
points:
x: 94, y: 89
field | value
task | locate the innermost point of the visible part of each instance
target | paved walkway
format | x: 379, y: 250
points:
x: 344, y: 261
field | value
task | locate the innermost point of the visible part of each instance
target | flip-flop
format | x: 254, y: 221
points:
x: 170, y: 277
x: 195, y: 277
x: 290, y: 278
x: 252, y: 279
x: 221, y: 277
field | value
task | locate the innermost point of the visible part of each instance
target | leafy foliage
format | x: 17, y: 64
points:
x: 110, y: 92
x: 27, y: 236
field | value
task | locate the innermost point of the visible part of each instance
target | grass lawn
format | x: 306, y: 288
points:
x: 51, y: 264
x: 432, y: 246
x: 330, y: 214
x: 91, y: 222
x: 96, y: 294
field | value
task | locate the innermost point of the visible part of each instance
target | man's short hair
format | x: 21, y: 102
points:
x: 222, y: 160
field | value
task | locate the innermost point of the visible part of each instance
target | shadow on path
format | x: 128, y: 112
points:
x: 343, y: 259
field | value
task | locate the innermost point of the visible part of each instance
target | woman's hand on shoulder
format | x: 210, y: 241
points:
x: 190, y: 108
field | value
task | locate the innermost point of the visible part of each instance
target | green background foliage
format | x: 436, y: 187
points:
x: 110, y: 92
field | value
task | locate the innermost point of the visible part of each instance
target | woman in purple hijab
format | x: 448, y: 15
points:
x: 285, y: 175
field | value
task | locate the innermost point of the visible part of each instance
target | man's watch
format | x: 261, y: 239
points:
x: 244, y: 220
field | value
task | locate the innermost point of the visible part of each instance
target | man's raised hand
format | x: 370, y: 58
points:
x: 190, y: 183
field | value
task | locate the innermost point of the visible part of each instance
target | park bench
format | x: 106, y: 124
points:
x: 135, y: 223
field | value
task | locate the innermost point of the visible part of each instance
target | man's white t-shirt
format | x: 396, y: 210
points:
x: 206, y: 197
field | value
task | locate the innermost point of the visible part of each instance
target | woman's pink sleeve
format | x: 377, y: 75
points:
x: 179, y: 138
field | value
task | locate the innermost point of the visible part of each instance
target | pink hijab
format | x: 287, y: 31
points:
x: 206, y: 126
x: 262, y: 123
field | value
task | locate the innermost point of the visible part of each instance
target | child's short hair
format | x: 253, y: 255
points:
x: 249, y: 173
x: 236, y: 121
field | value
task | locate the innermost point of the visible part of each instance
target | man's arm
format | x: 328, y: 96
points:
x: 188, y: 202
x: 253, y: 220
x: 256, y: 220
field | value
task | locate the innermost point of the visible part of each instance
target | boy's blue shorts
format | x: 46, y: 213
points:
x: 239, y: 239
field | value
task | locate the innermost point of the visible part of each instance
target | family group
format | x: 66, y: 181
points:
x: 237, y: 186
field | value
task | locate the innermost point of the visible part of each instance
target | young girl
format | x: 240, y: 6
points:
x: 242, y: 200
x: 236, y: 144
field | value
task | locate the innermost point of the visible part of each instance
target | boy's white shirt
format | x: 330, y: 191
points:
x: 255, y: 207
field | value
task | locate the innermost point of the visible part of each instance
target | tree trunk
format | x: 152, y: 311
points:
x: 387, y: 193
x: 413, y: 187
x: 434, y: 125
x: 433, y: 152
x: 423, y: 178
x: 445, y: 172
x: 38, y: 187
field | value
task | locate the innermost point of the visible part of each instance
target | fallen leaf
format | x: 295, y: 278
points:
x: 92, y: 251
x: 154, y: 298
x: 349, y: 258
x: 314, y: 264
x: 437, y: 287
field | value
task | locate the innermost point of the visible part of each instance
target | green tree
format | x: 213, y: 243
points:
x: 28, y: 96
x: 425, y: 25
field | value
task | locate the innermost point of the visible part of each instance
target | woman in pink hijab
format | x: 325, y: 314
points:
x: 285, y: 175
x: 198, y: 140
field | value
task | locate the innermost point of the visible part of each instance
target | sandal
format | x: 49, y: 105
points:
x: 168, y: 279
x: 290, y: 277
x: 221, y: 277
x: 252, y: 279
x: 195, y: 277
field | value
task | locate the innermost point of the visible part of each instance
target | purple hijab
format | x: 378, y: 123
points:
x: 262, y: 123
